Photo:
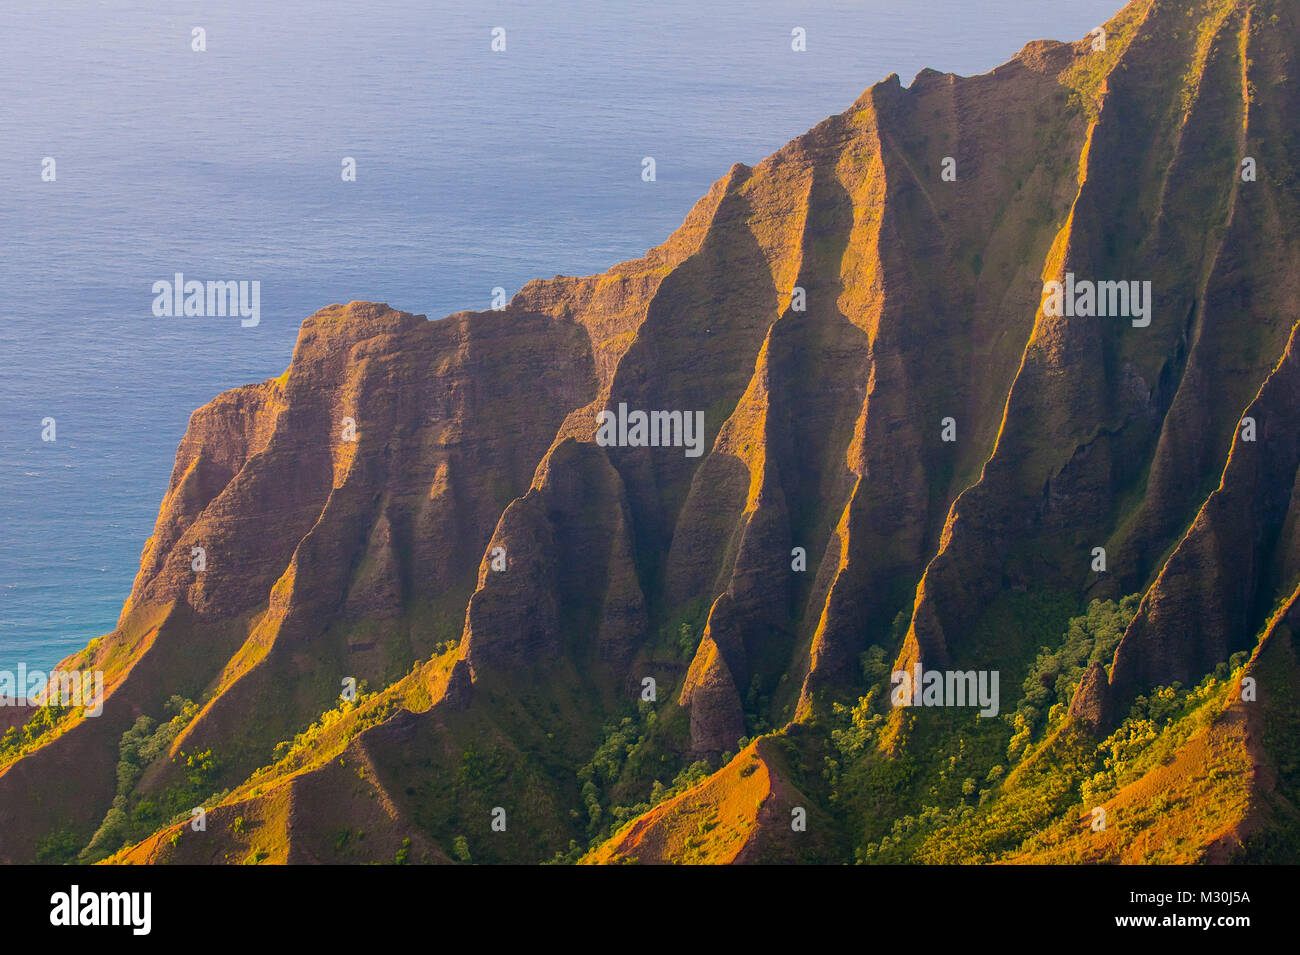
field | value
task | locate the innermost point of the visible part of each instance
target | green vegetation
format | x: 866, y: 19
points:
x: 58, y: 848
x: 1279, y: 841
x: 987, y: 787
x: 628, y: 774
x: 18, y: 742
x: 305, y: 745
x: 133, y: 817
x: 460, y: 850
x: 1157, y: 725
x: 1091, y: 638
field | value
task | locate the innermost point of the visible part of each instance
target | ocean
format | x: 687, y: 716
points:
x: 475, y: 169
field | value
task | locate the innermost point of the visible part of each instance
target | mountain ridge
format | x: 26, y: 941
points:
x: 508, y: 585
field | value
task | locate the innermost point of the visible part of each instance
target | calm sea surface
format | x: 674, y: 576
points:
x: 475, y: 169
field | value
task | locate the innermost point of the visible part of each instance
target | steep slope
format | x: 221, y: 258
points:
x: 906, y: 456
x: 745, y: 813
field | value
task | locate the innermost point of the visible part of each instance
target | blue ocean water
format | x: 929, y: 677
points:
x: 475, y: 169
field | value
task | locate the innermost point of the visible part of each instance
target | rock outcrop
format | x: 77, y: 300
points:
x: 897, y: 435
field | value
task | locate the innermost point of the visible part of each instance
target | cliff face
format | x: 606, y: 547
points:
x: 898, y: 439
